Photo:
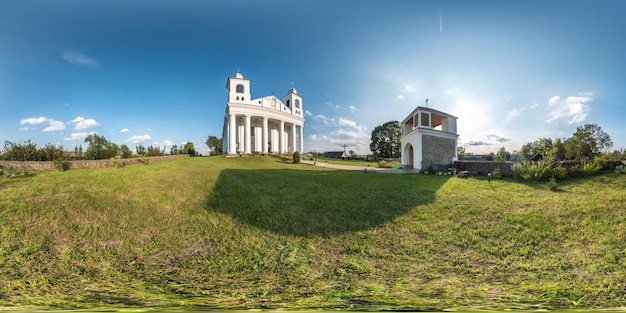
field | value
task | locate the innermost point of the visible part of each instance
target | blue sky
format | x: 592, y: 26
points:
x: 154, y: 72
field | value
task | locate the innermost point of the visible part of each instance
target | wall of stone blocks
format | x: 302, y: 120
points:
x: 437, y: 152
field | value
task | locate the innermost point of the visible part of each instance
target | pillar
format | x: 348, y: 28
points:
x: 246, y: 132
x: 281, y: 137
x: 265, y: 137
x: 232, y: 134
x: 301, y: 145
x: 293, y: 138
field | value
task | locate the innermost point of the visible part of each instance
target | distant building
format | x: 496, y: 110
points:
x: 335, y: 154
x: 428, y: 139
x: 263, y: 125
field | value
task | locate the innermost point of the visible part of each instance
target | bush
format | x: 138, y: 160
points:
x: 59, y: 164
x: 559, y: 172
x: 296, y: 157
x: 117, y: 161
x: 620, y: 169
x: 496, y: 174
x: 553, y: 185
x: 533, y: 170
x: 589, y: 168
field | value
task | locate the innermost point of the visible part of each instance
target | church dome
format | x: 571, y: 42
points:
x: 293, y: 90
x: 238, y: 75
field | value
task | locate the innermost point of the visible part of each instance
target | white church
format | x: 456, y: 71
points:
x: 266, y: 125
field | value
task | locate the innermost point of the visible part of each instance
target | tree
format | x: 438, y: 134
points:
x: 502, y: 155
x: 141, y: 150
x: 189, y: 149
x: 214, y: 144
x: 99, y: 148
x: 460, y: 153
x: 588, y: 141
x: 386, y: 140
x: 16, y: 151
x: 174, y: 150
x: 126, y: 153
x: 352, y: 154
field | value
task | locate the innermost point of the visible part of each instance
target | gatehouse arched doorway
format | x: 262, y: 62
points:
x: 408, y: 152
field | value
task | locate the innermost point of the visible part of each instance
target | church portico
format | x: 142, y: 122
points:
x: 264, y: 125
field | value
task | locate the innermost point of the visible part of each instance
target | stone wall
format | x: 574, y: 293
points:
x: 506, y: 168
x: 437, y: 152
x: 80, y: 164
x: 484, y: 167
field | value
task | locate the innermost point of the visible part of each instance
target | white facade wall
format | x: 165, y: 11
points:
x: 256, y: 123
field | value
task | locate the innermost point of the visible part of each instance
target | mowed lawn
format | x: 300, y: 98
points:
x: 257, y: 232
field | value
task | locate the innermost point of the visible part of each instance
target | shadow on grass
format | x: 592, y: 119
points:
x: 318, y: 203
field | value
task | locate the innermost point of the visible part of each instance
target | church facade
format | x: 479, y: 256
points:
x: 266, y: 125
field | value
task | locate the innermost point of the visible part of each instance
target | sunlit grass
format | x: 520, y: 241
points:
x: 259, y: 232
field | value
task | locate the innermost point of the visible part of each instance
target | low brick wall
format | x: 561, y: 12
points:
x: 82, y: 164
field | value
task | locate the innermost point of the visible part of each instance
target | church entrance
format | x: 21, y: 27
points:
x: 410, y: 156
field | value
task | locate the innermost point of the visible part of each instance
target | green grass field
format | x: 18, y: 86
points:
x: 256, y: 232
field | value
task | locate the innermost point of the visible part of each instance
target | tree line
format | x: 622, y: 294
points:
x: 98, y: 148
x: 586, y: 143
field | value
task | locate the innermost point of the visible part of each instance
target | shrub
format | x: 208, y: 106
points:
x: 589, y: 168
x: 117, y: 161
x: 600, y: 162
x: 533, y: 170
x: 553, y: 185
x: 296, y: 157
x: 496, y: 174
x: 59, y: 164
x: 620, y: 169
x: 559, y: 172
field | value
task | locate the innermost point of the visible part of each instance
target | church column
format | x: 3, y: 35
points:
x: 301, y: 145
x: 246, y: 131
x: 281, y: 137
x: 265, y: 138
x: 293, y: 138
x: 232, y: 134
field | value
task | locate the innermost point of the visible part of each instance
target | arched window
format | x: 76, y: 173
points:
x: 239, y: 88
x: 288, y: 104
x: 297, y: 103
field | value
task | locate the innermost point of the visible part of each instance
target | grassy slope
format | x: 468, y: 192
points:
x: 256, y: 232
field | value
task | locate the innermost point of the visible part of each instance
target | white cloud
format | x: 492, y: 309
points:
x: 79, y: 59
x: 34, y: 120
x: 124, y: 130
x: 534, y: 105
x: 451, y: 91
x: 574, y: 109
x: 409, y: 89
x: 498, y: 138
x: 76, y: 136
x: 24, y: 128
x: 82, y: 123
x: 353, y: 109
x: 139, y: 139
x: 168, y: 143
x: 307, y: 112
x: 400, y: 97
x: 54, y: 126
x: 514, y: 113
x: 553, y: 100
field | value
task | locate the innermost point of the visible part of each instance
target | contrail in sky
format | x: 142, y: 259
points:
x: 440, y: 23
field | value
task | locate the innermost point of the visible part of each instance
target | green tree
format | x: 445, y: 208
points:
x: 352, y: 154
x: 49, y: 153
x: 189, y: 149
x: 502, y: 155
x: 386, y: 140
x: 141, y: 150
x: 153, y: 151
x: 19, y: 151
x: 587, y: 141
x: 100, y: 148
x: 126, y: 153
x: 214, y: 144
x: 174, y: 150
x: 460, y: 153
